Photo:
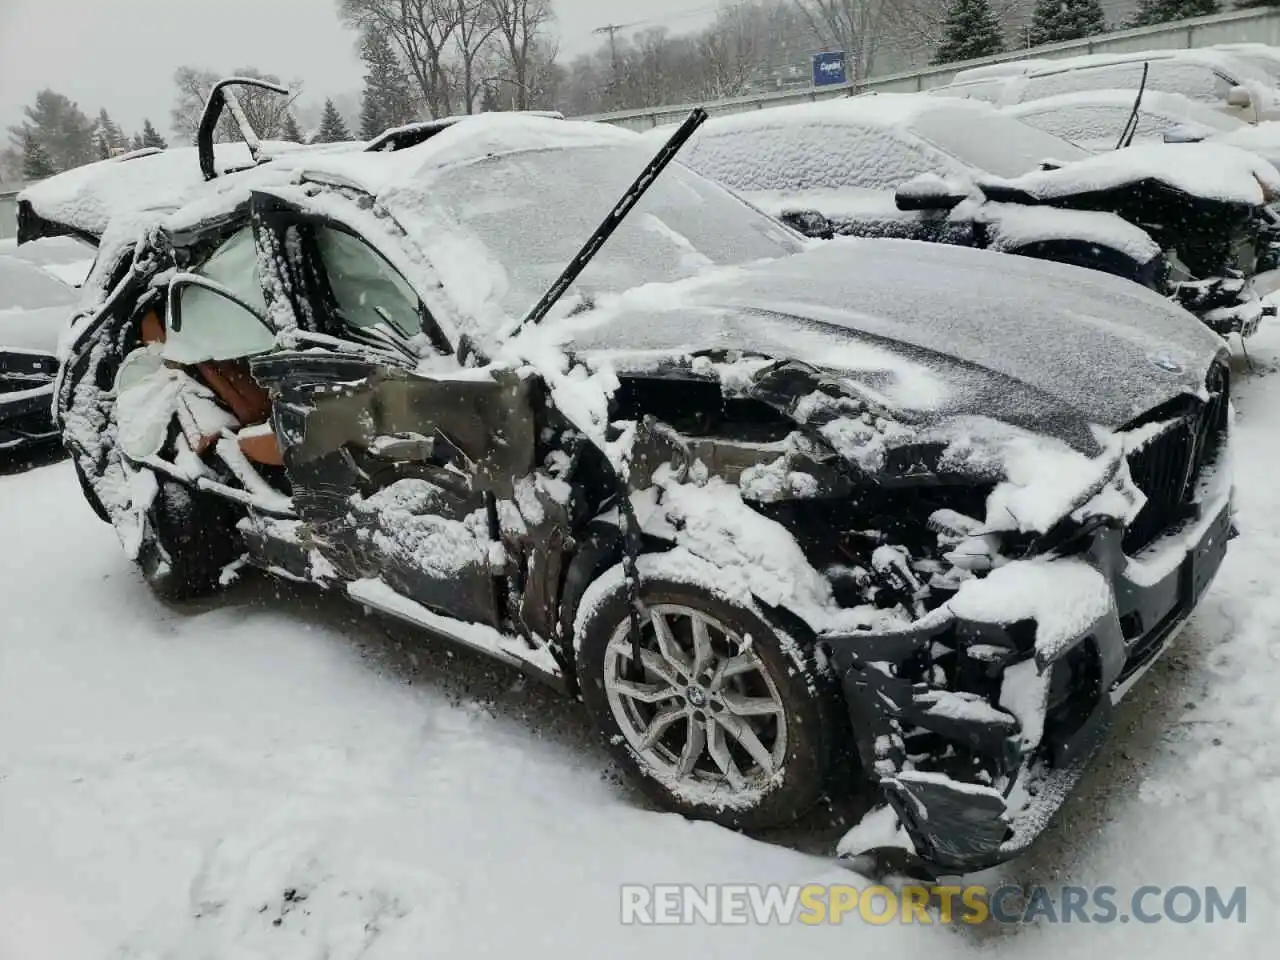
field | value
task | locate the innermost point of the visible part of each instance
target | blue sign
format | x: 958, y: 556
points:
x: 828, y: 68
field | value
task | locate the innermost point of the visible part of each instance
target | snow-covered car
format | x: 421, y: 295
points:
x: 1099, y: 119
x: 37, y: 297
x: 1261, y: 56
x: 1182, y: 219
x: 1008, y: 69
x: 1224, y: 82
x: 773, y: 508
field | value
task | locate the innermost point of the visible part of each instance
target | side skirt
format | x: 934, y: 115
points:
x: 511, y: 650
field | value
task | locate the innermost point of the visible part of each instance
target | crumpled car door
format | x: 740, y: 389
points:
x: 396, y: 471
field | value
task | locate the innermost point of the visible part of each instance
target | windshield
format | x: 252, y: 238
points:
x: 991, y: 142
x: 532, y: 211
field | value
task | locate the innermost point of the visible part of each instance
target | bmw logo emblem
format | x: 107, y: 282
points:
x: 1166, y: 362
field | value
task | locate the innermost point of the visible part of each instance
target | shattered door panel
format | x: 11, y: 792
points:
x: 397, y: 474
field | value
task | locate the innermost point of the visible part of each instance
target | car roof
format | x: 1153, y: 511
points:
x: 475, y: 138
x: 167, y: 186
x: 881, y: 110
x: 1153, y: 101
x: 1217, y: 59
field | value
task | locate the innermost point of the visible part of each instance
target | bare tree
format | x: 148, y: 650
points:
x: 422, y: 31
x: 474, y: 24
x: 264, y: 109
x: 730, y: 50
x: 854, y: 26
x: 519, y: 24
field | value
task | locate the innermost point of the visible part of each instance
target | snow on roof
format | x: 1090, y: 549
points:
x: 1008, y: 69
x: 484, y: 135
x: 87, y: 198
x: 1218, y: 58
x: 1153, y: 102
x: 871, y: 109
x: 1209, y: 170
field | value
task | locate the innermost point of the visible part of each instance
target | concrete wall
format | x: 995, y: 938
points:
x: 1241, y: 26
x: 8, y: 215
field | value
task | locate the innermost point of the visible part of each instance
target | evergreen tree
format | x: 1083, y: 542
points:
x: 370, y: 117
x: 138, y: 143
x: 1057, y: 20
x: 150, y: 136
x: 388, y: 97
x: 36, y: 164
x: 110, y: 136
x: 1151, y: 12
x: 971, y: 31
x: 289, y: 129
x: 332, y: 127
x: 67, y: 137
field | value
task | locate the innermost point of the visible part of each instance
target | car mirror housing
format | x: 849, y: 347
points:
x: 809, y: 222
x: 1182, y: 134
x: 183, y: 280
x: 928, y: 192
x: 1239, y: 97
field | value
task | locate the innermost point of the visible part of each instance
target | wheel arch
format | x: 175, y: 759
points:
x: 1073, y: 251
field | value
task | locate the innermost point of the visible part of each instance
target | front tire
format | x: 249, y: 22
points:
x: 192, y: 538
x: 726, y: 721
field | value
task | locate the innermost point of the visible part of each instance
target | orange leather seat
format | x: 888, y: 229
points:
x: 234, y: 384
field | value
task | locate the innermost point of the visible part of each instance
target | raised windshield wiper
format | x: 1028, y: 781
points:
x: 615, y: 216
x: 1131, y: 127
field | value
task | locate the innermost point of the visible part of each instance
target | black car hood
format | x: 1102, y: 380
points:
x: 931, y: 332
x: 1209, y: 173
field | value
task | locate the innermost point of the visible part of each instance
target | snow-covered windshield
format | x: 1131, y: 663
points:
x: 991, y: 142
x: 533, y: 210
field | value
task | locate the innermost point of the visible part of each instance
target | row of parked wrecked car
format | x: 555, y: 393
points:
x: 693, y: 426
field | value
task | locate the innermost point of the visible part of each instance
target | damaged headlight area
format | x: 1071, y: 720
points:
x: 964, y: 574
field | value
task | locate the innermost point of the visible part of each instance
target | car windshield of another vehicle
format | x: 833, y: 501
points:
x: 996, y: 144
x: 533, y: 210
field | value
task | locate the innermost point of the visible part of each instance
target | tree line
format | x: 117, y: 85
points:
x: 56, y: 134
x: 434, y: 58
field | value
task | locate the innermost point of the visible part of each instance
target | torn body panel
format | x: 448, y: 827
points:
x: 978, y: 656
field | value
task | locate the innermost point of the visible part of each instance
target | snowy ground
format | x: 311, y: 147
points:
x: 275, y: 775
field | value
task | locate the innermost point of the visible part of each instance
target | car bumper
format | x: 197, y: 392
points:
x: 26, y: 399
x: 957, y: 826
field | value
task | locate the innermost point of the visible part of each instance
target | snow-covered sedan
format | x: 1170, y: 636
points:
x: 773, y: 508
x: 1221, y: 80
x: 1099, y: 120
x: 1183, y: 219
x: 37, y: 297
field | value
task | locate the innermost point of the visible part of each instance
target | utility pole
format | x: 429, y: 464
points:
x: 612, y: 30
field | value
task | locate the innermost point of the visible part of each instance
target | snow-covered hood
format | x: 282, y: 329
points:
x: 1209, y: 171
x: 1262, y: 139
x: 928, y: 331
x: 34, y: 306
x: 1012, y: 225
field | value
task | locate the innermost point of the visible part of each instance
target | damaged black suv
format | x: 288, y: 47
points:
x: 773, y: 508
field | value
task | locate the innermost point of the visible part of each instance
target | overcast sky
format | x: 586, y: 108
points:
x: 121, y: 54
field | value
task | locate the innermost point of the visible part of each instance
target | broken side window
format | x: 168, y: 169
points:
x: 367, y: 289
